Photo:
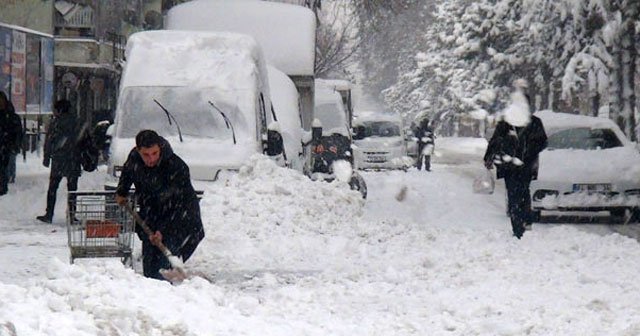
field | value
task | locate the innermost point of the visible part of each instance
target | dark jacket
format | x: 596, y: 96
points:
x: 524, y: 143
x: 423, y: 134
x: 10, y: 131
x: 168, y: 202
x: 60, y: 145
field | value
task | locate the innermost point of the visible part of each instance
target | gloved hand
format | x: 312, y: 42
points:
x: 121, y: 200
x: 156, y: 238
x: 488, y: 164
x: 46, y: 162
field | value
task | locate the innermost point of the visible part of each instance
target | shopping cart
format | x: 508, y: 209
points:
x: 97, y: 227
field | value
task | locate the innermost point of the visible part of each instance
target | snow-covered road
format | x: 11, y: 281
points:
x: 288, y: 256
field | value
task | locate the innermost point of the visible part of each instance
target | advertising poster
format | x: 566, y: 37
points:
x: 46, y: 68
x: 33, y: 82
x: 18, y: 71
x: 5, y: 60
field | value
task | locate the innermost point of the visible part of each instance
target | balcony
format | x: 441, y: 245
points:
x: 74, y: 20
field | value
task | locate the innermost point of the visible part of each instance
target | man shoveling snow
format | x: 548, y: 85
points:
x: 168, y: 203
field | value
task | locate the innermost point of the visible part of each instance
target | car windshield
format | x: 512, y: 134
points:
x: 584, y: 138
x: 190, y: 107
x: 380, y: 129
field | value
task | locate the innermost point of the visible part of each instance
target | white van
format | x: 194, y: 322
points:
x: 206, y: 93
x: 285, y: 99
x: 379, y: 141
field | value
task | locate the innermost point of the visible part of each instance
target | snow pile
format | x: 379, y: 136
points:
x: 287, y: 256
x: 104, y: 298
x: 215, y: 60
x: 266, y: 208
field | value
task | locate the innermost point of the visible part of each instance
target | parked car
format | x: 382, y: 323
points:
x: 379, y: 141
x: 589, y: 165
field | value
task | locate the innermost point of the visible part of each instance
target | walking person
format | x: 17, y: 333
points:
x: 514, y: 147
x: 61, y: 152
x: 10, y: 139
x: 168, y: 203
x: 425, y: 139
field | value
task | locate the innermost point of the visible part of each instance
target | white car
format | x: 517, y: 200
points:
x: 589, y: 165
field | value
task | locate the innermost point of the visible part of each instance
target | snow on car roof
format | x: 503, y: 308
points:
x: 158, y: 58
x: 326, y: 95
x: 556, y: 121
x: 336, y: 84
x: 285, y: 32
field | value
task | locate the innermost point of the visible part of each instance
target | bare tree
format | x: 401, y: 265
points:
x: 336, y: 40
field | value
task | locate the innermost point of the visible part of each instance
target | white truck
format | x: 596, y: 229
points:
x: 286, y: 34
x: 205, y: 92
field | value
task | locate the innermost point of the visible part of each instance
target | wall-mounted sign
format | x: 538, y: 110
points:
x: 18, y: 71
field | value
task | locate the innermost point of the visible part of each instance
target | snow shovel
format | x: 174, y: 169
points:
x: 175, y: 275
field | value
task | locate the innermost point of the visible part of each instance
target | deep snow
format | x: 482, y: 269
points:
x: 287, y: 256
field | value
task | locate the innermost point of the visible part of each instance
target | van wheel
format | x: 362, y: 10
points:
x: 357, y: 183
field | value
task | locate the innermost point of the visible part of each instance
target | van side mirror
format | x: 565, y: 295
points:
x: 316, y: 133
x: 408, y: 134
x: 275, y: 145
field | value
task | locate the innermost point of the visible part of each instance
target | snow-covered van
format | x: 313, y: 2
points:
x: 285, y: 32
x: 379, y: 141
x: 206, y: 92
x: 285, y: 98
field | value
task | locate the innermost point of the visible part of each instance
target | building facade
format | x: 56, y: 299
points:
x: 72, y: 49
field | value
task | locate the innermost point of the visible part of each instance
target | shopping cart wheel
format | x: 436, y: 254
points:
x: 127, y: 260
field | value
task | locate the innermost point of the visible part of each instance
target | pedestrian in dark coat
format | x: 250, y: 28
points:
x: 10, y: 139
x: 61, y: 152
x: 514, y: 147
x: 425, y: 138
x: 168, y: 203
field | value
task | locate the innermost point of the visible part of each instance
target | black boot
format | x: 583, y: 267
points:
x: 518, y: 228
x: 45, y: 218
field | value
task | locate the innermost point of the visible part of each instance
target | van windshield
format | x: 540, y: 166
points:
x: 332, y: 117
x: 381, y: 129
x: 190, y: 107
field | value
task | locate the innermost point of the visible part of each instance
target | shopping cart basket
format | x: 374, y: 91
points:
x: 97, y: 227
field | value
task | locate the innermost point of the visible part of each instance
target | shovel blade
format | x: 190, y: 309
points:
x: 174, y: 275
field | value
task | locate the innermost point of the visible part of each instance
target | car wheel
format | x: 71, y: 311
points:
x: 535, y: 216
x: 635, y: 215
